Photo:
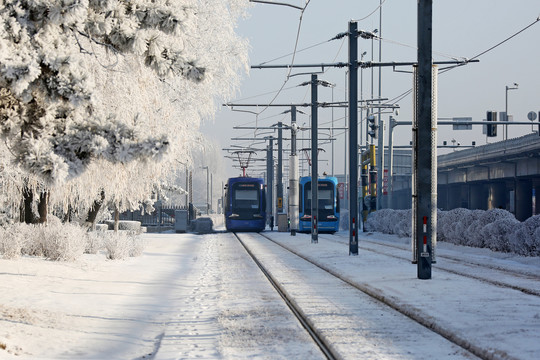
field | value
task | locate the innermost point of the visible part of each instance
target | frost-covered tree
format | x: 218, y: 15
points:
x: 117, y: 80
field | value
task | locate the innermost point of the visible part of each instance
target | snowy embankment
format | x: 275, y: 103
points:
x: 495, y: 229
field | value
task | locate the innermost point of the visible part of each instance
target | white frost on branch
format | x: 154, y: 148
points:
x: 85, y: 84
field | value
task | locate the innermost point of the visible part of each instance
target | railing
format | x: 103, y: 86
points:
x: 162, y: 216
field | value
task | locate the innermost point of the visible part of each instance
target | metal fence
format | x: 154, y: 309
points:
x: 162, y: 216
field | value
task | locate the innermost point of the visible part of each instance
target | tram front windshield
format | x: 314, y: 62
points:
x: 325, y: 197
x: 245, y: 199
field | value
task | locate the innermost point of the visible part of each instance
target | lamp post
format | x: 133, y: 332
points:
x: 207, y: 191
x: 515, y: 87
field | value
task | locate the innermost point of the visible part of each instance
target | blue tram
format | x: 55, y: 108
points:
x: 245, y: 204
x: 328, y: 199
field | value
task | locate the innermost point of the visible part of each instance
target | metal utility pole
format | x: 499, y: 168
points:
x: 380, y: 163
x: 426, y: 191
x: 353, y: 138
x: 391, y: 125
x: 293, y: 177
x: 279, y: 171
x: 269, y: 182
x: 314, y: 161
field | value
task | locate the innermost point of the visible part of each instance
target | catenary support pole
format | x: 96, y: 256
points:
x: 314, y: 161
x: 279, y: 171
x: 353, y: 138
x: 380, y: 163
x: 424, y: 144
x: 270, y: 182
x: 293, y: 177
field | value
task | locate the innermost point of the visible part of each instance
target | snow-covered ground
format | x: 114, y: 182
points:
x: 199, y: 296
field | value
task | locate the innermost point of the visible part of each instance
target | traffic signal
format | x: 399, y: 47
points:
x: 373, y: 127
x: 491, y: 128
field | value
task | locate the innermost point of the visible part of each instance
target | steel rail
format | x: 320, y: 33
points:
x: 325, y: 348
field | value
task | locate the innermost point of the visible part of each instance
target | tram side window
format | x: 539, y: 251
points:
x: 246, y: 199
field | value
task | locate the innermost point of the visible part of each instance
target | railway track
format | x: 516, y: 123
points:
x: 325, y: 348
x: 390, y: 305
x: 501, y: 277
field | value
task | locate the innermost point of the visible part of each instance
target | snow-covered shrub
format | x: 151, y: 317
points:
x: 404, y: 223
x: 117, y: 245
x: 498, y: 234
x: 102, y: 227
x: 476, y: 236
x: 525, y: 240
x: 94, y: 242
x: 454, y: 224
x: 344, y: 219
x: 123, y: 244
x: 131, y: 226
x: 16, y: 240
x: 390, y: 221
x: 62, y: 242
x: 380, y: 221
x: 137, y: 246
x: 496, y: 229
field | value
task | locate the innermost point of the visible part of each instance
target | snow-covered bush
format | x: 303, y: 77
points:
x: 66, y: 242
x: 102, y: 227
x: 381, y: 221
x: 525, y: 240
x: 137, y: 246
x: 344, y: 219
x: 495, y: 229
x: 454, y: 224
x: 390, y: 221
x: 498, y: 234
x: 116, y: 245
x: 62, y: 242
x: 94, y: 242
x: 16, y: 240
x: 123, y: 244
x: 477, y: 236
x: 403, y: 224
x: 131, y: 226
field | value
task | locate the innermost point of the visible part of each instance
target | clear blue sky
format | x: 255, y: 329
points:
x: 461, y: 28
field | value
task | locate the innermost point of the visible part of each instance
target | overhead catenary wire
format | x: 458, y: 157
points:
x: 371, y: 13
x: 292, y: 62
x: 467, y: 60
x: 494, y: 46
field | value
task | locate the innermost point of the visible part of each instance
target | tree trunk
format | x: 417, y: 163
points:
x: 94, y: 210
x: 26, y: 207
x: 43, y: 207
x: 116, y: 219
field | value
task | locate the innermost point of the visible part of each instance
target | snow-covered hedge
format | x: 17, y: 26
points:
x: 133, y: 226
x: 66, y: 242
x: 496, y: 229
